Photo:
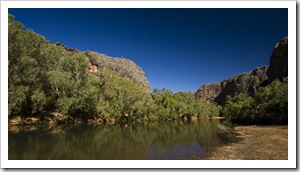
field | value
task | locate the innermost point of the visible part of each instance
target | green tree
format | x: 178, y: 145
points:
x: 238, y: 108
x: 73, y: 88
x: 123, y: 97
x: 253, y: 82
x: 26, y: 72
x: 272, y: 102
x: 269, y: 105
x: 207, y: 109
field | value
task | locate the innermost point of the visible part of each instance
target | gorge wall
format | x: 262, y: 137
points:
x: 279, y: 61
x: 278, y: 68
x: 122, y: 67
x: 218, y: 91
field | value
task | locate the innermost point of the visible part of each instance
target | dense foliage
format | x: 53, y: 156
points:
x: 45, y: 78
x: 181, y: 105
x: 268, y: 105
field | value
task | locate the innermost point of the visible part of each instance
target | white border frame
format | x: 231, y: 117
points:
x: 290, y: 163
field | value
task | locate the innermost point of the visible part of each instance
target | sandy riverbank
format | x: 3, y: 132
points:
x: 255, y: 143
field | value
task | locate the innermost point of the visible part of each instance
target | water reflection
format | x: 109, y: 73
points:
x: 178, y: 151
x: 170, y: 140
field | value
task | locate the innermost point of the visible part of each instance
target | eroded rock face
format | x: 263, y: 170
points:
x: 279, y: 61
x: 218, y: 91
x: 209, y: 91
x: 123, y: 67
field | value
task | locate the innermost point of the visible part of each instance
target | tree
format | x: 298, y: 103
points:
x: 26, y: 72
x: 272, y: 101
x: 238, y: 108
x: 207, y: 109
x: 123, y: 97
x: 253, y: 82
x: 269, y: 105
x: 74, y: 89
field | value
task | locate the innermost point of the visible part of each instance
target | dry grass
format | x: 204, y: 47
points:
x: 255, y: 143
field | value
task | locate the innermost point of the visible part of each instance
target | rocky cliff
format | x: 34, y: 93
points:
x: 278, y: 68
x: 279, y: 61
x: 123, y: 67
x: 218, y: 91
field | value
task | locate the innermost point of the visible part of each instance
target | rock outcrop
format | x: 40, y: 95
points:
x: 279, y: 61
x: 122, y: 67
x: 209, y: 91
x: 218, y: 91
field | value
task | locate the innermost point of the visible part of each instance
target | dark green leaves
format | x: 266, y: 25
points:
x: 269, y: 105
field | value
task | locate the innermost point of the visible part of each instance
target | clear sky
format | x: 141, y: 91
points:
x: 179, y: 49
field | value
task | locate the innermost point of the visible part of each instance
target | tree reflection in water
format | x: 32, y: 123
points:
x: 167, y: 140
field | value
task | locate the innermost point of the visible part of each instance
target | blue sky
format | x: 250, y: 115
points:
x: 179, y: 49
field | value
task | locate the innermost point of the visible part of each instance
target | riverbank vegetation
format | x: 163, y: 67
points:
x: 268, y: 105
x: 48, y: 83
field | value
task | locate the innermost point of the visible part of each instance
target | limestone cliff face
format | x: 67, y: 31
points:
x: 279, y: 61
x: 218, y: 91
x: 122, y: 67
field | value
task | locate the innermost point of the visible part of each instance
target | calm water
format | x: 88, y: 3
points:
x: 168, y: 140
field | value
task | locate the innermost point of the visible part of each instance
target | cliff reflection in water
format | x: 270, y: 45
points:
x: 170, y: 140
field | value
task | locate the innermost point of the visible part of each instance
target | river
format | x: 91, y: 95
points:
x: 140, y: 141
